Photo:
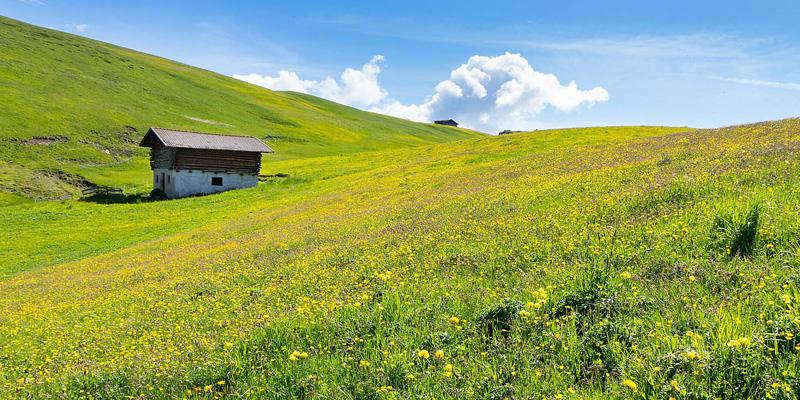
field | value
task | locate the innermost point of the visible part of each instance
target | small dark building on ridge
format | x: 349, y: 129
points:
x: 187, y: 163
x: 448, y: 122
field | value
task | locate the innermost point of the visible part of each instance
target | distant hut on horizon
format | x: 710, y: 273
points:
x: 448, y: 122
x: 187, y: 163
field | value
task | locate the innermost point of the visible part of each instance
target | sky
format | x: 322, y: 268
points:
x: 488, y: 65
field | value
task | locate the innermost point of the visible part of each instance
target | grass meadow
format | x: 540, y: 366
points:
x: 647, y: 263
x: 73, y: 110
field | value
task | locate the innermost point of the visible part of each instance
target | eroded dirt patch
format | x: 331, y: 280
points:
x: 44, y: 140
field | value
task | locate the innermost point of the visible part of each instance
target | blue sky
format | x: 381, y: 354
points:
x: 688, y: 63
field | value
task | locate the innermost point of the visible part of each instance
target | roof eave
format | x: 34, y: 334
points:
x: 146, y: 138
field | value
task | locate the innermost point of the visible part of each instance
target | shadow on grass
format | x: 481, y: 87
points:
x: 121, y: 198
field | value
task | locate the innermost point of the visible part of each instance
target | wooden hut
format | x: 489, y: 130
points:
x: 448, y: 122
x: 187, y: 163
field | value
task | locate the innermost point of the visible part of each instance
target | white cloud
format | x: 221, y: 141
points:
x: 494, y: 93
x: 759, y: 82
x: 284, y: 81
x: 81, y: 27
x: 486, y: 93
x: 355, y: 87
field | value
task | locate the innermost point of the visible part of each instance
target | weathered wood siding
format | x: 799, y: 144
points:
x: 217, y: 161
x: 204, y: 160
x: 161, y: 157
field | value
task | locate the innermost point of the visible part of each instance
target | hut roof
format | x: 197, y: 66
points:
x: 206, y: 141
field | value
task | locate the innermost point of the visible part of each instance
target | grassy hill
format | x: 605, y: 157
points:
x: 592, y: 263
x: 72, y: 111
x: 50, y: 232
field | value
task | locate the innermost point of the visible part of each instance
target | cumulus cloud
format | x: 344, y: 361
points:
x: 355, y: 87
x: 492, y: 93
x: 284, y: 81
x: 486, y: 93
x: 81, y: 27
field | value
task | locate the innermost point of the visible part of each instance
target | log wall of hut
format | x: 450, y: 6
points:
x: 217, y: 161
x: 161, y: 157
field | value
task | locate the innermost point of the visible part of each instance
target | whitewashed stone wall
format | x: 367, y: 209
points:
x: 188, y: 183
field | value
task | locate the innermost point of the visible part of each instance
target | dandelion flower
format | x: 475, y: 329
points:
x: 454, y: 320
x: 448, y: 371
x: 439, y: 354
x: 423, y: 354
x: 744, y: 341
x: 629, y: 383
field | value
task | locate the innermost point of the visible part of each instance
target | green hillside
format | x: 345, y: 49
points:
x: 51, y: 232
x: 71, y: 106
x: 615, y: 263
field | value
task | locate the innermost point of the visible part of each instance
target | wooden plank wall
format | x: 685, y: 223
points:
x: 217, y: 161
x: 161, y: 157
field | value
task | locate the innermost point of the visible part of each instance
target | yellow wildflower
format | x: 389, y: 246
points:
x: 448, y: 371
x: 629, y: 383
x: 744, y: 341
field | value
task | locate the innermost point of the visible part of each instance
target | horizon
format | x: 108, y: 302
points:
x: 539, y: 67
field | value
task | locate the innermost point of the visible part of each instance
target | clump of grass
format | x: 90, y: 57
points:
x: 736, y: 232
x: 498, y: 318
x: 590, y: 296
